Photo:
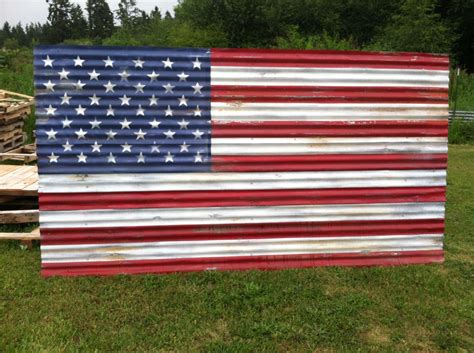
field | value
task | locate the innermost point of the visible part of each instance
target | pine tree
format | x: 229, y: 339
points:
x: 100, y: 18
x: 59, y: 20
x: 78, y: 23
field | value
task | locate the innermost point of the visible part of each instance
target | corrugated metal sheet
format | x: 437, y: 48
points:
x: 312, y: 158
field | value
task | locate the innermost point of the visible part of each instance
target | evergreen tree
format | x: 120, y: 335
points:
x: 59, y: 20
x: 100, y: 18
x: 128, y: 13
x: 78, y: 23
x: 155, y: 13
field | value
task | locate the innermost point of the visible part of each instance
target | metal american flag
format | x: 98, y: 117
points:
x: 163, y: 160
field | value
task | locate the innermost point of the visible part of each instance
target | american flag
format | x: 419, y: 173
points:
x: 161, y: 160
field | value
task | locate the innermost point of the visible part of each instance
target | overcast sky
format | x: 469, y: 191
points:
x: 26, y: 11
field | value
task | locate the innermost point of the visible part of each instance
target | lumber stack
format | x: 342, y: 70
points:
x: 19, y: 199
x: 14, y: 108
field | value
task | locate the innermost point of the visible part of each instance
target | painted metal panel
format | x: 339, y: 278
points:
x: 163, y: 160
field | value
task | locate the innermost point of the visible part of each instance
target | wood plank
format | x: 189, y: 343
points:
x: 33, y: 235
x: 19, y: 216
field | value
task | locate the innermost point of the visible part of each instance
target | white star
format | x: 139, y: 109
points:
x: 110, y: 110
x: 94, y: 99
x: 110, y: 158
x: 153, y: 76
x: 63, y: 74
x: 183, y: 124
x: 184, y: 147
x: 169, y: 111
x: 153, y: 100
x: 140, y: 134
x: 183, y: 101
x: 81, y: 134
x: 95, y: 124
x: 126, y: 147
x: 197, y: 111
x: 108, y: 62
x: 93, y: 75
x: 141, y: 158
x: 198, y: 158
x: 138, y: 63
x: 155, y: 147
x: 197, y: 134
x: 168, y: 63
x: 109, y: 87
x: 96, y: 147
x: 169, y: 134
x: 125, y: 124
x: 49, y: 85
x: 182, y: 76
x: 124, y: 75
x: 197, y: 88
x: 110, y: 135
x: 169, y: 158
x: 65, y: 99
x: 125, y: 100
x: 51, y: 134
x: 139, y: 87
x: 154, y: 123
x: 82, y: 158
x: 48, y: 61
x: 140, y: 111
x: 66, y: 123
x: 196, y: 64
x: 79, y: 85
x: 168, y: 88
x: 78, y: 61
x: 53, y: 158
x: 50, y: 110
x: 80, y: 110
x: 67, y: 146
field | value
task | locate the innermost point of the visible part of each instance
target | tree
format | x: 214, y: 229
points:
x: 128, y: 13
x: 78, y: 23
x: 416, y: 27
x: 155, y: 13
x: 59, y: 20
x: 100, y: 19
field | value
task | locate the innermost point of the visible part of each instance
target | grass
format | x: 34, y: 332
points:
x: 409, y: 308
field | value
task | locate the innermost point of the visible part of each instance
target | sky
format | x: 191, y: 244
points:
x: 26, y: 11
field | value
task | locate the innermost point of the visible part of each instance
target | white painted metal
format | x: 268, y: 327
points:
x: 245, y: 111
x: 241, y: 247
x: 60, y: 183
x: 229, y: 215
x: 317, y: 145
x: 288, y: 76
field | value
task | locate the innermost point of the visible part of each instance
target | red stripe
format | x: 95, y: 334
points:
x: 275, y: 262
x: 328, y: 162
x: 393, y: 128
x: 223, y: 198
x: 109, y: 235
x: 311, y: 94
x: 327, y: 58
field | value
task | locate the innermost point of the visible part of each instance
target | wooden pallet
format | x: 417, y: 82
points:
x: 13, y: 143
x: 19, y: 199
x: 25, y: 154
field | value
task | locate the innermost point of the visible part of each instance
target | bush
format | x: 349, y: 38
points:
x: 461, y: 132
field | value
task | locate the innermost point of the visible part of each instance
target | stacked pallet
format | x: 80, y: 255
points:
x: 19, y: 199
x: 14, y: 108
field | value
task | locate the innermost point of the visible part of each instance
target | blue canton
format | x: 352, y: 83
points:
x: 122, y: 109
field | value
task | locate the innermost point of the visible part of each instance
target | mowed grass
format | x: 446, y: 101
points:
x: 409, y: 308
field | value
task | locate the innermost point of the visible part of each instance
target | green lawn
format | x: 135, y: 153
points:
x: 409, y: 308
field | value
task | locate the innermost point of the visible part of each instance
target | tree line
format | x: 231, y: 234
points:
x: 440, y: 26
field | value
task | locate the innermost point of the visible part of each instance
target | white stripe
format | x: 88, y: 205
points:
x: 224, y: 215
x: 308, y: 76
x: 65, y: 183
x: 241, y: 247
x: 321, y: 145
x: 244, y: 111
